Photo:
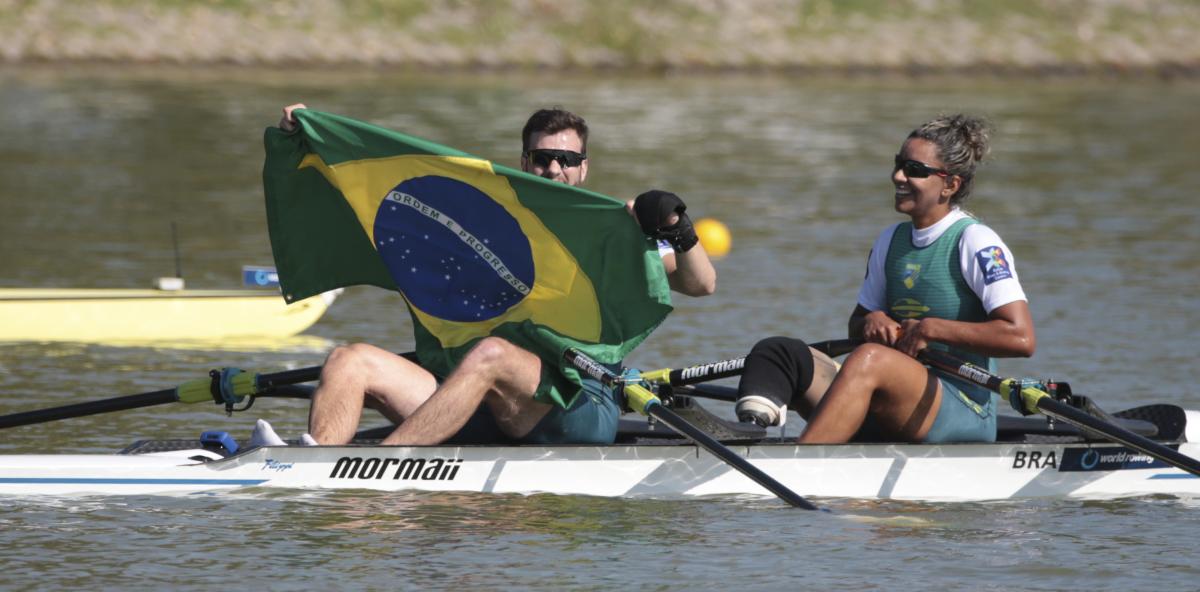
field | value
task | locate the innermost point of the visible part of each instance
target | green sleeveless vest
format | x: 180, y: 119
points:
x: 928, y: 282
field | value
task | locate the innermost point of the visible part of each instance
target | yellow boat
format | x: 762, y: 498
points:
x: 137, y: 315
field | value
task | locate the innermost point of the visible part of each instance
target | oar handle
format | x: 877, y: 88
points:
x: 646, y: 403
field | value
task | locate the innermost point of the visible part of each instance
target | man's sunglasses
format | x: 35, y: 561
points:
x: 542, y: 157
x: 917, y: 170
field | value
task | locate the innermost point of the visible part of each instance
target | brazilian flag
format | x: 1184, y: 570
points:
x: 474, y: 249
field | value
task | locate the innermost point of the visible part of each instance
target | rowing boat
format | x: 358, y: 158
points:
x: 1033, y: 458
x: 134, y: 315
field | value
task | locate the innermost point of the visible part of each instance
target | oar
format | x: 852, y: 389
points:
x: 643, y: 401
x: 194, y: 391
x: 228, y: 387
x: 1036, y: 400
x: 734, y: 366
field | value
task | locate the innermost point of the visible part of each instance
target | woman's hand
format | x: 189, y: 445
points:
x: 914, y: 336
x: 878, y: 327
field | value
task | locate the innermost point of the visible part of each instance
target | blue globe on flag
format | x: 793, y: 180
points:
x: 452, y: 250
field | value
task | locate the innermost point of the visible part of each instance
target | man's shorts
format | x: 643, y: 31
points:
x: 961, y: 419
x: 591, y: 419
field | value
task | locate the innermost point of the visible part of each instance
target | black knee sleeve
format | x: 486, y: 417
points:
x: 778, y: 368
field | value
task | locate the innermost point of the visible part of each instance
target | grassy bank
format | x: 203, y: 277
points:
x: 846, y: 35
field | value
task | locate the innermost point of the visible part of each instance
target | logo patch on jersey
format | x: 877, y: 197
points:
x: 994, y: 264
x: 908, y: 308
x: 911, y: 271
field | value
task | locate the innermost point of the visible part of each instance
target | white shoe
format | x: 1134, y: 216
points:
x: 308, y: 440
x: 264, y: 435
x: 760, y: 410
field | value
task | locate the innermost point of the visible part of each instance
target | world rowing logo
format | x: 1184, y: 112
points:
x: 994, y: 265
x: 454, y: 252
x: 1089, y: 460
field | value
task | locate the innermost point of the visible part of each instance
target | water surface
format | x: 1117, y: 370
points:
x: 1091, y: 183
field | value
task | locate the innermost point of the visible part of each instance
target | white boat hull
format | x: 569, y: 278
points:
x: 954, y: 472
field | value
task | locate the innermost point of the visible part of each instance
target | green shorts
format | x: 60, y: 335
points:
x: 591, y: 419
x: 961, y: 419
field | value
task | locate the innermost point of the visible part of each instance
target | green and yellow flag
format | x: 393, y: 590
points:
x: 475, y: 249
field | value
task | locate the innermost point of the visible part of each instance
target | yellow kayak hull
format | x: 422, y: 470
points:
x: 87, y: 315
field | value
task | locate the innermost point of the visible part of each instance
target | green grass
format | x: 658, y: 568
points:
x: 630, y: 33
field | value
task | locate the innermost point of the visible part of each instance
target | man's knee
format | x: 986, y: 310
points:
x: 493, y: 352
x: 345, y: 357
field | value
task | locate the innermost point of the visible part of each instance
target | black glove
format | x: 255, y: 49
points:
x: 654, y: 207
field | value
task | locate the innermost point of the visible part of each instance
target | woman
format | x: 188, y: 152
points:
x: 940, y: 280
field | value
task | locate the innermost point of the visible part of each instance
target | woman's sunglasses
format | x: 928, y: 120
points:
x: 542, y: 157
x: 917, y: 170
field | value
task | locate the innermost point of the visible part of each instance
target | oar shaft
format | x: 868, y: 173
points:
x: 1068, y: 414
x: 706, y: 372
x: 733, y: 366
x: 309, y: 374
x: 743, y: 466
x: 1048, y: 405
x: 647, y: 403
x: 90, y: 408
x: 836, y: 347
x: 195, y: 391
x: 286, y: 377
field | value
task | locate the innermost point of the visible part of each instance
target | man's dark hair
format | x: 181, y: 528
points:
x: 552, y: 121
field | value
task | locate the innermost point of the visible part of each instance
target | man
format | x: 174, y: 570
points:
x: 496, y: 379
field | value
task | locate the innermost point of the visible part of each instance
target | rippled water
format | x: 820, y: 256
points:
x: 1092, y: 185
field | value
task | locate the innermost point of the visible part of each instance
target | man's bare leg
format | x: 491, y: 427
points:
x: 900, y: 394
x: 360, y: 374
x: 506, y: 375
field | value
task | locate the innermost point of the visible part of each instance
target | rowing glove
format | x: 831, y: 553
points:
x: 653, y: 208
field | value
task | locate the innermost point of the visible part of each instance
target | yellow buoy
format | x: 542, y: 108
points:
x: 714, y: 235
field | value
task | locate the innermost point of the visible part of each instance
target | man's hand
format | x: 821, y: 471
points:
x: 662, y: 215
x: 288, y: 123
